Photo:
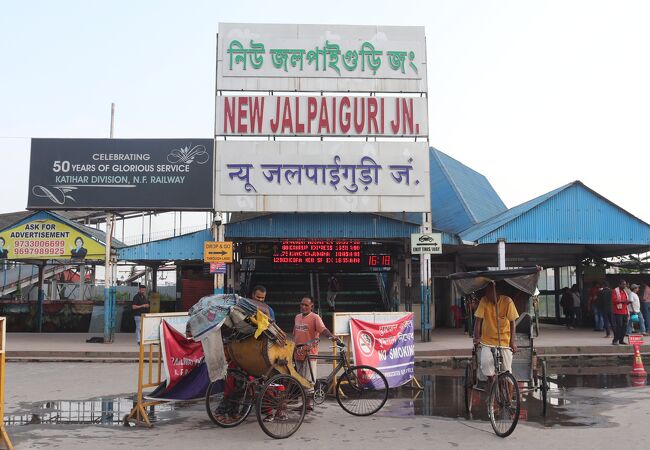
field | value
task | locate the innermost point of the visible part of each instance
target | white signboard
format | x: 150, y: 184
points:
x: 328, y: 176
x: 262, y: 57
x: 150, y: 326
x: 321, y: 116
x: 430, y: 243
x: 342, y: 320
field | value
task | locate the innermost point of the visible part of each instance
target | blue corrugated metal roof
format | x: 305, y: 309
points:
x: 460, y: 196
x: 180, y: 248
x: 321, y: 225
x: 571, y: 214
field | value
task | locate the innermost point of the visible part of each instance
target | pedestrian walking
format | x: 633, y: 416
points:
x: 604, y: 302
x: 567, y: 305
x: 634, y: 310
x: 139, y: 306
x: 619, y: 306
x: 644, y: 295
x: 577, y: 305
x: 333, y: 287
x: 593, y: 308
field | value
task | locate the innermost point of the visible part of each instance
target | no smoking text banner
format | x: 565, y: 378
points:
x: 390, y: 347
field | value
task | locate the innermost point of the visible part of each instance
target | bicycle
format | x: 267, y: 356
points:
x: 360, y: 390
x: 504, y: 401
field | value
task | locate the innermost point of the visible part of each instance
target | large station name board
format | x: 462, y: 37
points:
x: 321, y: 116
x: 335, y: 58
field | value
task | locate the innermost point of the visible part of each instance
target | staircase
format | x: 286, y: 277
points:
x: 25, y: 276
x: 358, y: 292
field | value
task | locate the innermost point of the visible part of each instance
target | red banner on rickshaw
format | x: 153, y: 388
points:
x: 180, y: 355
x: 390, y: 347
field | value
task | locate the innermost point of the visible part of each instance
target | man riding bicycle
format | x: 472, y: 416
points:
x: 489, y: 336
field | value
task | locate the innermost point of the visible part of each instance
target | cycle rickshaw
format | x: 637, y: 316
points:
x: 260, y: 370
x: 261, y: 374
x: 528, y: 369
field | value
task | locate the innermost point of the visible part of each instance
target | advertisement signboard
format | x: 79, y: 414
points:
x: 120, y: 174
x: 316, y: 115
x: 343, y: 58
x: 329, y: 176
x: 48, y: 239
x: 390, y: 347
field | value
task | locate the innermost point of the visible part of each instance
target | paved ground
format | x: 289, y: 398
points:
x: 444, y: 342
x: 619, y: 415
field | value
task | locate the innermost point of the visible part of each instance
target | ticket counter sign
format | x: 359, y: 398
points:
x: 48, y: 239
x: 217, y: 252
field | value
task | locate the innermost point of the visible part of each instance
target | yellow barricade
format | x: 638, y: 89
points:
x: 150, y: 361
x: 4, y: 437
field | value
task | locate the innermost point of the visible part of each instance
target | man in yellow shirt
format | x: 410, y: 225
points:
x: 485, y: 330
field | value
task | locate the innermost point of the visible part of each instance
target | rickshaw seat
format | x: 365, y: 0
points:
x: 522, y: 361
x: 523, y: 330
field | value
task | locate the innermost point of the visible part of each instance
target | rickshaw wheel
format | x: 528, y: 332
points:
x: 543, y: 385
x: 504, y: 404
x: 230, y: 411
x: 281, y: 406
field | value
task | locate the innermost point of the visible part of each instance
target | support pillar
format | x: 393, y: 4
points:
x: 218, y: 235
x: 501, y: 243
x: 41, y: 298
x: 109, y: 288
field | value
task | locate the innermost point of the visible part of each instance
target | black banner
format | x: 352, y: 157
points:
x: 121, y: 174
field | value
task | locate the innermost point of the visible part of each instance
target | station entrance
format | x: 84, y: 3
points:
x: 360, y: 275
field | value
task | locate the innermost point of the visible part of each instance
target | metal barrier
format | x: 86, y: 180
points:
x: 4, y: 437
x: 150, y: 361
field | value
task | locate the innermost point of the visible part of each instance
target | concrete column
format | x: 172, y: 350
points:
x: 502, y: 253
x: 41, y: 298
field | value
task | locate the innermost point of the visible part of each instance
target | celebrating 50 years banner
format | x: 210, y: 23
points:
x: 390, y: 347
x: 119, y: 174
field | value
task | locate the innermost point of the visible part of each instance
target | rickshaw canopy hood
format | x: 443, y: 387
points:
x: 524, y: 279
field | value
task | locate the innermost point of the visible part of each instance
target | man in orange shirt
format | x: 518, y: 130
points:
x: 308, y: 326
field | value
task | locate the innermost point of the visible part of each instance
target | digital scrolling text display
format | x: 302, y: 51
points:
x: 328, y: 252
x: 319, y: 252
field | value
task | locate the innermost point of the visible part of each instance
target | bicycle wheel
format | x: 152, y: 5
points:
x: 503, y: 404
x: 281, y: 406
x: 233, y: 408
x: 362, y: 390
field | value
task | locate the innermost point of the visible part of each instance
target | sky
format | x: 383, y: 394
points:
x: 532, y: 94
